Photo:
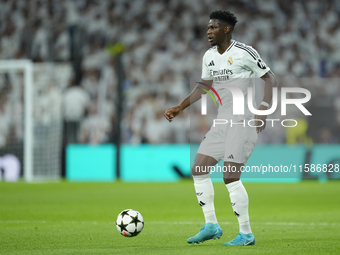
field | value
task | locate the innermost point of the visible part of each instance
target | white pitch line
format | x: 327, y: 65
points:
x: 255, y: 223
x: 22, y: 221
x: 171, y: 222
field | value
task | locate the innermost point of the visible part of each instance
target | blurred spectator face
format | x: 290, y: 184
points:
x: 325, y: 135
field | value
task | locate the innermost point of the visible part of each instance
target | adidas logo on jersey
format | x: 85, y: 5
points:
x: 211, y: 63
x: 231, y: 156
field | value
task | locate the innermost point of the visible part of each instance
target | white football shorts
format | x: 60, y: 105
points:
x: 231, y: 143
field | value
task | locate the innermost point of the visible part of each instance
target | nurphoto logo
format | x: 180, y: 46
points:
x: 238, y: 103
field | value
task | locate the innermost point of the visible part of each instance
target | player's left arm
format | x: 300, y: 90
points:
x: 270, y: 82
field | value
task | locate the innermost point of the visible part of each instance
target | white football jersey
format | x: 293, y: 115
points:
x: 237, y: 66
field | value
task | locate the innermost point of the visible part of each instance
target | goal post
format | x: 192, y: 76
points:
x: 31, y: 125
x: 26, y: 66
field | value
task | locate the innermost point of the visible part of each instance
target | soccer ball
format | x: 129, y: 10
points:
x: 129, y: 223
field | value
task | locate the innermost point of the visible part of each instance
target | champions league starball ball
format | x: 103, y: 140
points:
x: 129, y: 223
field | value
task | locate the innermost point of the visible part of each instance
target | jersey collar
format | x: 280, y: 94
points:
x: 230, y: 46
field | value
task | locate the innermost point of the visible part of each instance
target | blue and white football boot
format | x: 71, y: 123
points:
x: 209, y: 231
x: 242, y: 240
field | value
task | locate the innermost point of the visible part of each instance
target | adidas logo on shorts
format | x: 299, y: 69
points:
x: 231, y: 156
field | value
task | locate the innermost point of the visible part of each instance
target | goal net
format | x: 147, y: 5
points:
x: 31, y: 119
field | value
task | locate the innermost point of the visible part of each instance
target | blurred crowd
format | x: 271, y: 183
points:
x: 165, y: 41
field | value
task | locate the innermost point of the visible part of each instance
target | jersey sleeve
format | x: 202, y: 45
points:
x: 206, y: 75
x: 253, y: 61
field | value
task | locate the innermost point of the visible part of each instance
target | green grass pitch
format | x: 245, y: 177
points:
x: 79, y: 218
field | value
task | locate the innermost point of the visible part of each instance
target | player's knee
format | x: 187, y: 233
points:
x: 230, y: 180
x: 199, y: 170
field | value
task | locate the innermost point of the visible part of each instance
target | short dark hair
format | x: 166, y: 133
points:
x: 224, y: 16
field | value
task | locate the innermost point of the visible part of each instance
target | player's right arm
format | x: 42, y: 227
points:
x: 194, y: 96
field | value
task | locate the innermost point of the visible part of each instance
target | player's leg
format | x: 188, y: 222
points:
x: 239, y: 202
x: 239, y: 146
x: 238, y: 195
x: 203, y: 186
x: 205, y: 196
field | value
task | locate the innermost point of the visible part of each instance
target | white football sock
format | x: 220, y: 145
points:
x: 239, y: 202
x: 205, y: 196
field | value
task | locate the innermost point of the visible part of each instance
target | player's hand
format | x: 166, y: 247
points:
x: 172, y: 113
x: 258, y: 122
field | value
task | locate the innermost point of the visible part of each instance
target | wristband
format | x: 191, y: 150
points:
x: 265, y: 104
